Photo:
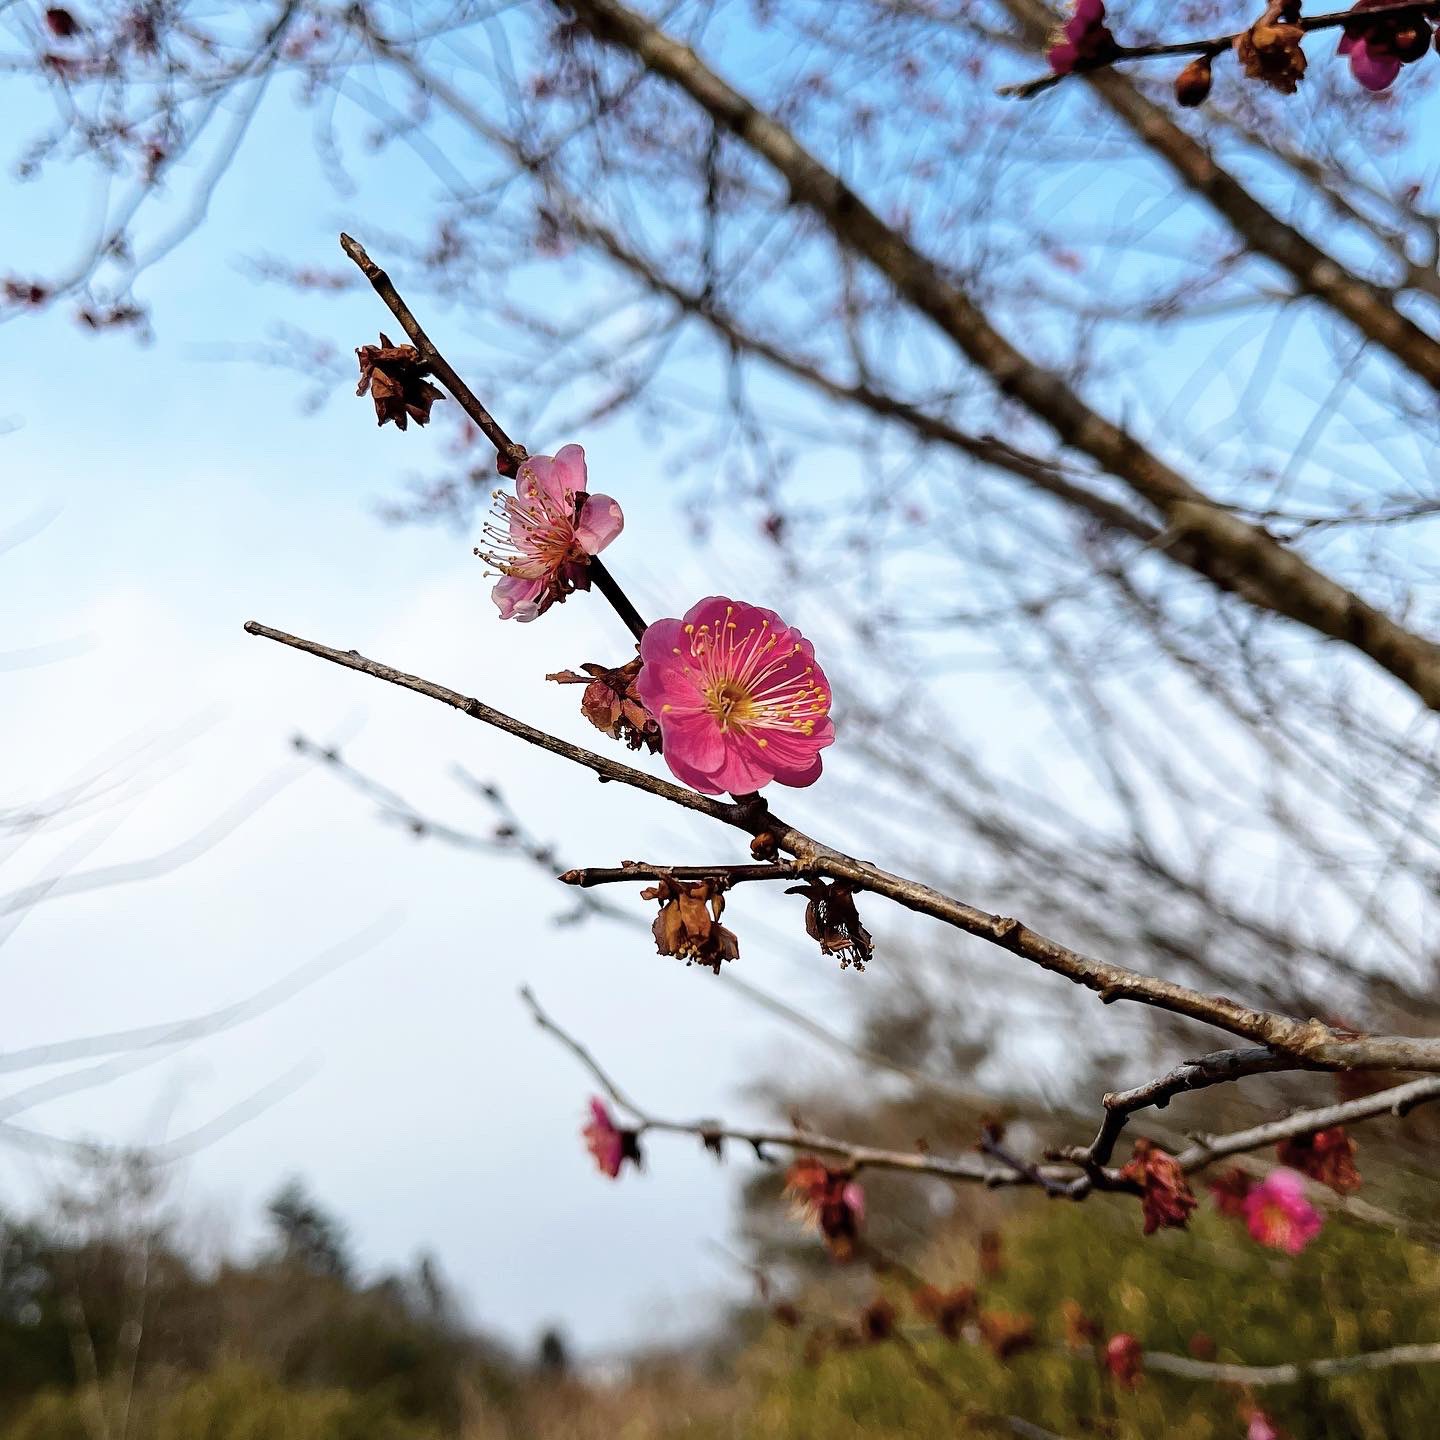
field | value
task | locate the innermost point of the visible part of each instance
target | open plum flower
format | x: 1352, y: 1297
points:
x: 542, y: 537
x: 1379, y: 47
x: 738, y: 696
x: 1278, y: 1214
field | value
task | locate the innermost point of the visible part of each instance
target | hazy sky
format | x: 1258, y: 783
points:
x: 190, y: 493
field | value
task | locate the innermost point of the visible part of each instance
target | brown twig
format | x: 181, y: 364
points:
x: 1308, y: 1044
x: 511, y: 454
x: 1296, y: 1370
x: 630, y: 870
x: 1216, y: 45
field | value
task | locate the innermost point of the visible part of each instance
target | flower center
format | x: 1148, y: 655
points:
x: 730, y: 703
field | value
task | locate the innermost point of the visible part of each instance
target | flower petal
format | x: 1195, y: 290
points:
x: 518, y: 598
x: 601, y: 520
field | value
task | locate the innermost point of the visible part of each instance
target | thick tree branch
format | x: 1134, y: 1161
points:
x: 1256, y: 566
x: 1315, y: 272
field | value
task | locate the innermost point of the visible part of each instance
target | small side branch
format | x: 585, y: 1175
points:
x: 641, y: 870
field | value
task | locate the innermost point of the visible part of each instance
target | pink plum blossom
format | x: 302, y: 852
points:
x: 1278, y: 1214
x: 1261, y: 1427
x: 542, y: 537
x: 738, y: 696
x: 1374, y: 72
x: 608, y: 1143
x: 1087, y: 37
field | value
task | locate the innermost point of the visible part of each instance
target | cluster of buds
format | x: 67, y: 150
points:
x: 688, y: 924
x: 1166, y: 1200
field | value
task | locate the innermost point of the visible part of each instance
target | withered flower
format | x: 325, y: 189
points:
x: 688, y: 924
x: 831, y: 918
x: 1270, y: 49
x: 1006, y: 1334
x: 1165, y: 1197
x: 1327, y: 1156
x: 610, y: 703
x: 829, y: 1200
x: 394, y: 377
x: 946, y: 1310
x: 786, y: 1314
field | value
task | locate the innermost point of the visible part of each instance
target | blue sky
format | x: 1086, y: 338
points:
x: 188, y: 495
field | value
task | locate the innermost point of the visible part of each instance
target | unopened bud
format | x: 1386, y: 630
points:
x: 1192, y: 84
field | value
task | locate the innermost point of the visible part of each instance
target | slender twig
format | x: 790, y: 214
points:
x: 1216, y: 45
x: 1307, y: 1044
x: 1221, y: 1067
x: 1055, y: 1179
x: 1296, y: 1370
x: 629, y: 870
x: 510, y: 452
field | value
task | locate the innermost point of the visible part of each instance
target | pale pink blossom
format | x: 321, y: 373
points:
x: 1261, y: 1427
x: 738, y: 696
x: 1278, y: 1214
x: 541, y: 538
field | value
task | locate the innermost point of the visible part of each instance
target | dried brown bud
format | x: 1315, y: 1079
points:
x: 877, y: 1320
x: 1270, y: 50
x: 831, y: 918
x: 1081, y: 1330
x: 787, y: 1315
x: 992, y: 1260
x: 1192, y: 84
x: 610, y: 703
x: 1006, y: 1334
x: 688, y: 924
x: 764, y: 848
x: 946, y: 1310
x: 61, y: 23
x: 394, y: 378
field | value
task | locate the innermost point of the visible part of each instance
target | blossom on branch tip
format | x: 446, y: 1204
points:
x: 1277, y: 1213
x: 394, y: 378
x: 1165, y: 1197
x: 1327, y: 1156
x: 542, y: 537
x: 738, y: 696
x: 1084, y: 38
x: 829, y: 1201
x: 609, y: 1143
